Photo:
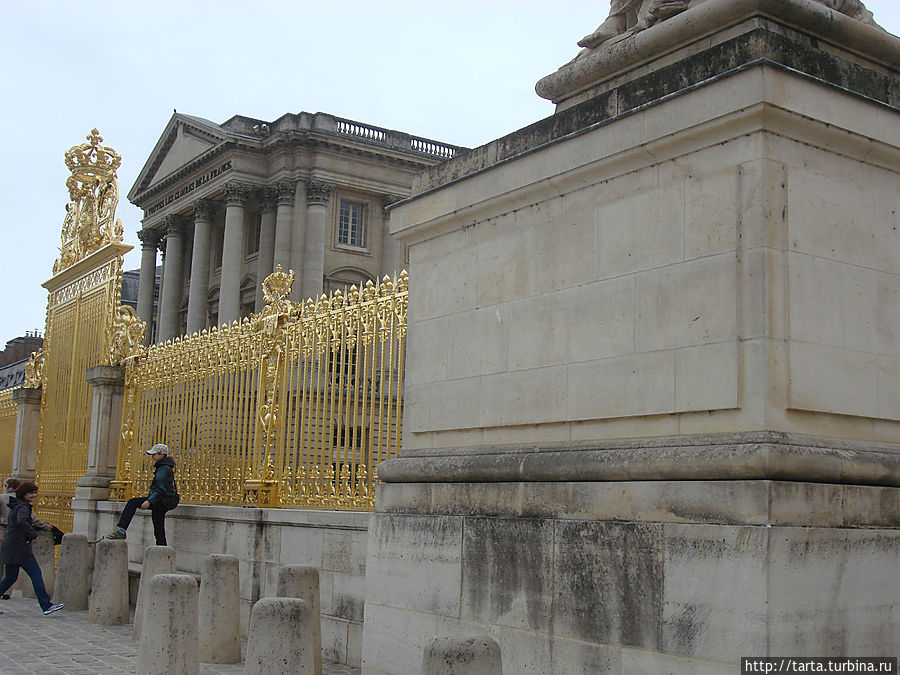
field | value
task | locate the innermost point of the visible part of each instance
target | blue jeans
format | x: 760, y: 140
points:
x: 33, y: 570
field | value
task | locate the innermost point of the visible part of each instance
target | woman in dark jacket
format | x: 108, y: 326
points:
x: 15, y: 551
x: 163, y: 496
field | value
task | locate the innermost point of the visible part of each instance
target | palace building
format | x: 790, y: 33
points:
x: 226, y: 203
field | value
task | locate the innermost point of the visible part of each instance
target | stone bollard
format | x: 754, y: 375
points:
x: 157, y: 560
x: 44, y: 553
x: 73, y: 580
x: 220, y: 610
x: 279, y: 640
x: 108, y: 605
x: 462, y: 656
x: 169, y: 635
x: 302, y: 581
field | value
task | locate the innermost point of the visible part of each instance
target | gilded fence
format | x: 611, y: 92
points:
x: 7, y: 431
x: 84, y: 293
x: 292, y: 407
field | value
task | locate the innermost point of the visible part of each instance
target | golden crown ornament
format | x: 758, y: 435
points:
x: 90, y: 221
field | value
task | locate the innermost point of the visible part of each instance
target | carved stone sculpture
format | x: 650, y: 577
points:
x: 630, y: 16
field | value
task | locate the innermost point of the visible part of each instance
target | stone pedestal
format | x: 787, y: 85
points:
x: 103, y: 446
x: 652, y: 401
x: 28, y: 429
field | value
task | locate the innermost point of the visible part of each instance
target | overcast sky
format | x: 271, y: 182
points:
x: 459, y: 71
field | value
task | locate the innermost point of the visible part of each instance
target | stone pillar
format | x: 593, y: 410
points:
x: 220, y: 610
x: 108, y: 605
x: 279, y: 639
x: 265, y: 258
x: 157, y: 560
x: 147, y: 283
x: 162, y: 286
x: 285, y: 195
x: 28, y: 428
x: 462, y: 656
x: 298, y: 240
x: 173, y: 268
x: 391, y: 249
x: 169, y: 637
x: 302, y: 581
x: 73, y: 579
x: 108, y: 384
x: 197, y: 318
x: 317, y: 195
x: 232, y: 254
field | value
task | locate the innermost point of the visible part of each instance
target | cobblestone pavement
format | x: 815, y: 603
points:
x: 65, y: 643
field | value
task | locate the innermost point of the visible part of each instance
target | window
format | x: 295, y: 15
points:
x: 253, y: 234
x: 350, y: 225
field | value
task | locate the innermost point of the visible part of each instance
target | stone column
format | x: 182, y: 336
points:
x: 162, y: 284
x: 232, y: 249
x: 28, y: 426
x: 170, y: 298
x: 298, y: 239
x: 147, y: 284
x: 391, y: 249
x: 197, y: 300
x: 108, y: 384
x: 265, y: 259
x: 285, y: 196
x: 317, y: 195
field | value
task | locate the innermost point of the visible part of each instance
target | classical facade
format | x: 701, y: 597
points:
x: 226, y: 203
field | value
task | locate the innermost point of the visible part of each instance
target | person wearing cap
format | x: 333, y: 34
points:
x: 163, y: 496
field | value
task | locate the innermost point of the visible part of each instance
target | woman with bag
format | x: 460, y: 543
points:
x: 15, y: 551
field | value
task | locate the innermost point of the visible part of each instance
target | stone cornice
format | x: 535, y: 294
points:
x: 766, y: 115
x: 760, y: 455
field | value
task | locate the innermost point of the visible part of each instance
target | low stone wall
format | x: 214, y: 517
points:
x: 334, y: 542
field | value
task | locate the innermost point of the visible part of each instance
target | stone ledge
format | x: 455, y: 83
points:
x: 697, y: 24
x: 758, y: 40
x: 745, y: 456
x: 753, y: 503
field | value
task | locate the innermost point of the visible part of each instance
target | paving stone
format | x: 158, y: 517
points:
x: 64, y: 643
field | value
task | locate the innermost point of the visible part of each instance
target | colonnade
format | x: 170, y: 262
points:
x: 287, y: 238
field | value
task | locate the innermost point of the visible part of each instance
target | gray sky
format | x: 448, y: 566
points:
x: 459, y: 71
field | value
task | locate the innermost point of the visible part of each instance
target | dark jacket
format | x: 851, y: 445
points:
x: 16, y: 546
x: 162, y: 487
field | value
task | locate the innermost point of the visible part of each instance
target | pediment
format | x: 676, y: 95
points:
x: 184, y: 140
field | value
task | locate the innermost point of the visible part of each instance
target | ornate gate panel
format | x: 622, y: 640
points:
x: 84, y: 293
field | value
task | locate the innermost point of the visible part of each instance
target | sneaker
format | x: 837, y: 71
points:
x: 115, y: 534
x: 5, y: 596
x: 54, y: 608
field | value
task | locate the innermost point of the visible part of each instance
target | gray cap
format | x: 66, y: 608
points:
x: 161, y: 448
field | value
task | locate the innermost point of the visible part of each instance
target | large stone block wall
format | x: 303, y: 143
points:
x: 264, y: 539
x: 723, y: 261
x: 633, y: 578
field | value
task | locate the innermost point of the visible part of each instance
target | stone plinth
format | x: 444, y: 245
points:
x: 652, y: 395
